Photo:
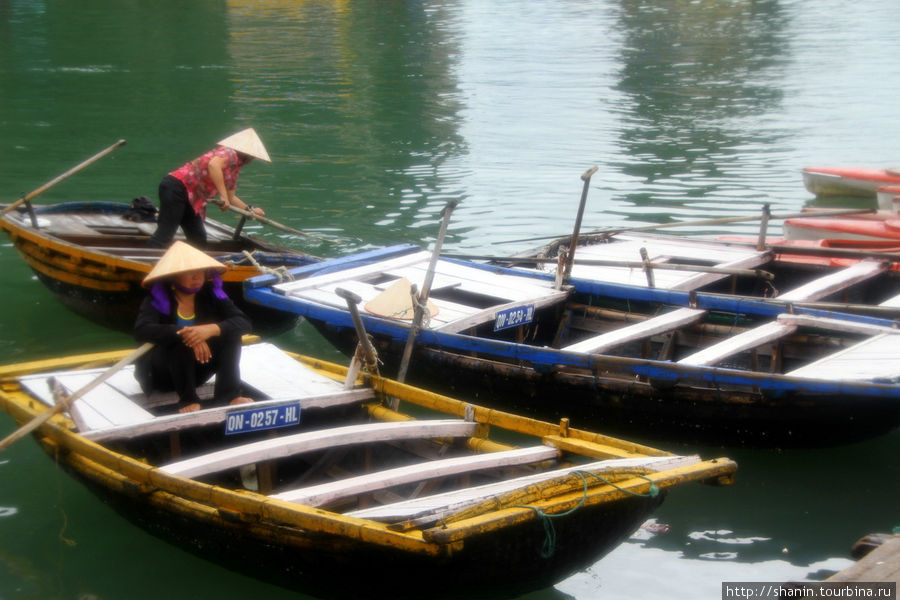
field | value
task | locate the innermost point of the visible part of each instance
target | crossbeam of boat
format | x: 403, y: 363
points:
x: 219, y: 414
x: 327, y: 493
x: 667, y: 322
x: 837, y: 281
x: 317, y: 440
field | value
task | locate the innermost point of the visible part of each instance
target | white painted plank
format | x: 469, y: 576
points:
x: 219, y: 414
x: 834, y: 282
x: 101, y: 407
x: 654, y: 326
x: 277, y: 375
x: 317, y: 440
x: 490, y: 314
x: 320, y: 495
x: 836, y: 324
x: 876, y: 358
x: 445, y: 503
x: 893, y: 302
x: 743, y: 341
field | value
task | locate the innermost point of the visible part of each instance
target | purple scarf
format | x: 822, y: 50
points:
x: 159, y: 292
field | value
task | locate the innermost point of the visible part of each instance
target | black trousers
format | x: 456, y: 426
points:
x: 173, y: 368
x: 175, y: 211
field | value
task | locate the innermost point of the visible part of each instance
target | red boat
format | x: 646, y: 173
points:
x: 876, y: 227
x: 848, y: 181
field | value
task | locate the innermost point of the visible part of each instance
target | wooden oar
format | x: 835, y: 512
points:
x: 700, y: 222
x: 67, y: 402
x: 586, y: 178
x: 59, y: 178
x: 420, y: 305
x: 619, y: 263
x: 252, y: 215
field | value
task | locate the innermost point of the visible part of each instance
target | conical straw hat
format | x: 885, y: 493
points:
x: 248, y: 142
x: 396, y: 302
x: 181, y: 258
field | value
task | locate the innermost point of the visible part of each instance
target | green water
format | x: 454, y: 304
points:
x: 378, y: 113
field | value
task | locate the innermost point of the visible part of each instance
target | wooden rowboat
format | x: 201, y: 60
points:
x: 848, y: 181
x: 93, y: 259
x: 320, y: 487
x: 646, y: 361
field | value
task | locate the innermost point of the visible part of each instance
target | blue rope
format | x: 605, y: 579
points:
x: 548, y: 548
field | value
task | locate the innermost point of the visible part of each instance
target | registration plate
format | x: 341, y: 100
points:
x: 258, y: 419
x: 511, y: 317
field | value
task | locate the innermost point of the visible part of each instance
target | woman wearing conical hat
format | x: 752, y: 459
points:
x: 195, y: 328
x: 184, y: 193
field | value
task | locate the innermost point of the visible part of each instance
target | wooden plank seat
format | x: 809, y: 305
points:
x: 892, y: 302
x: 320, y: 495
x: 872, y: 359
x: 310, y: 441
x: 437, y: 506
x: 219, y: 415
x: 100, y: 408
x: 747, y: 340
x: 835, y: 282
x: 669, y: 321
x: 780, y: 328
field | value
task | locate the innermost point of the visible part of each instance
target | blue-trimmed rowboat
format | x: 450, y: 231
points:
x: 336, y: 489
x: 92, y: 259
x: 698, y: 367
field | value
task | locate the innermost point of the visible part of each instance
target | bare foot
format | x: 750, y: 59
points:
x: 240, y: 400
x: 192, y: 407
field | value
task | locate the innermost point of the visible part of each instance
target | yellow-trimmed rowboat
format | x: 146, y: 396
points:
x: 92, y: 258
x: 448, y: 497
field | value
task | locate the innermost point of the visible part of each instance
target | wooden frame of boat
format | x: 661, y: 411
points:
x: 93, y: 259
x: 463, y: 508
x: 575, y: 357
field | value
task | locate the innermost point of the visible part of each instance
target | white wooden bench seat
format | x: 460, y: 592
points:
x: 835, y: 282
x: 310, y: 441
x: 437, y: 506
x: 320, y: 495
x: 871, y: 359
x: 892, y: 302
x: 219, y: 414
x: 747, y: 340
x: 669, y: 321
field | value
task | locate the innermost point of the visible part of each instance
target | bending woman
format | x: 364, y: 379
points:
x: 195, y: 327
x: 184, y: 193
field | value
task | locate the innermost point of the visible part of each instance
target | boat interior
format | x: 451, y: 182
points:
x: 345, y: 452
x: 103, y: 227
x: 526, y: 310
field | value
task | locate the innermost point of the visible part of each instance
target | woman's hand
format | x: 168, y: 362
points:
x: 194, y: 335
x: 202, y: 353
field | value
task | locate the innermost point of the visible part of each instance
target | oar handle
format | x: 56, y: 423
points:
x: 252, y: 215
x: 420, y: 305
x: 65, y: 175
x: 67, y: 402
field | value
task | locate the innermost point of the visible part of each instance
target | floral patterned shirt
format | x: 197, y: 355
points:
x: 195, y: 177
